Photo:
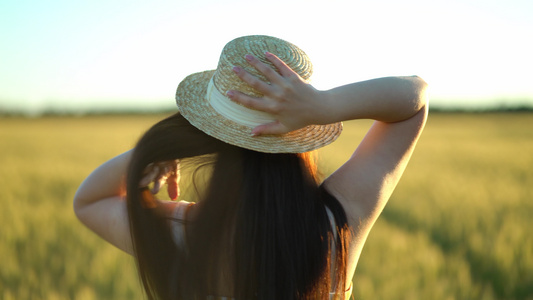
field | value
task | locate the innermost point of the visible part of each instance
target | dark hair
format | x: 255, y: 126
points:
x: 263, y: 220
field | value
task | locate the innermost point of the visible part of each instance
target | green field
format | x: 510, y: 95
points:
x: 459, y: 225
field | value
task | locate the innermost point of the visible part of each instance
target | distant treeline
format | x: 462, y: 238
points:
x: 118, y: 112
x: 497, y: 109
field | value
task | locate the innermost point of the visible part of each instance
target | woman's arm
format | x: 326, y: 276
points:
x: 388, y: 99
x: 296, y: 103
x: 100, y: 201
x: 398, y: 104
x: 366, y: 181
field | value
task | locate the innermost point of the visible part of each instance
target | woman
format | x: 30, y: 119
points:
x: 263, y: 225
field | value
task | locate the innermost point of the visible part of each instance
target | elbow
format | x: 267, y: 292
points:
x: 419, y: 80
x: 77, y: 206
x: 419, y: 95
x: 421, y: 86
x: 81, y: 212
x: 77, y: 209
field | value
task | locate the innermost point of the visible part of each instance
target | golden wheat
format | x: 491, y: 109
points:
x: 457, y: 227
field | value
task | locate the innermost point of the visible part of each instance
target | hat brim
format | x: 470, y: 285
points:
x: 190, y: 98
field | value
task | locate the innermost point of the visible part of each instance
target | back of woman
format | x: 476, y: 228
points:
x: 260, y: 228
x: 263, y: 225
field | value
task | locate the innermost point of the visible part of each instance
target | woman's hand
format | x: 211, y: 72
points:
x: 293, y: 102
x: 160, y: 173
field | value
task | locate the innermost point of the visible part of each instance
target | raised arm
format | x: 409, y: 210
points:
x: 100, y: 201
x: 398, y: 104
x: 366, y: 181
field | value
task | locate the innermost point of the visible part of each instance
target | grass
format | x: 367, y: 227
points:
x: 457, y: 227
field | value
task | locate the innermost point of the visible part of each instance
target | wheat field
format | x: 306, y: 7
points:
x: 457, y: 227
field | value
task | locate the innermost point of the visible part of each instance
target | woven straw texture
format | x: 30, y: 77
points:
x: 190, y: 98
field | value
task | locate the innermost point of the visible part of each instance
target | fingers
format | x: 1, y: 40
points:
x: 282, y: 67
x: 270, y: 128
x: 173, y: 188
x: 150, y: 173
x: 250, y: 102
x: 266, y: 70
x: 253, y: 81
x: 159, y: 183
x: 276, y: 80
x: 145, y: 181
x: 161, y: 174
x: 282, y: 87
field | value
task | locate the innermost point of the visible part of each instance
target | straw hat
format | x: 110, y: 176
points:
x: 201, y: 99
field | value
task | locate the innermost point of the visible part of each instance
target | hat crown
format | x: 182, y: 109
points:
x: 201, y: 99
x: 234, y: 53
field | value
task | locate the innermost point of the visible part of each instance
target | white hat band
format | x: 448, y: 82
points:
x: 233, y: 111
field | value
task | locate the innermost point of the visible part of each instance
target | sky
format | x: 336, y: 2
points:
x: 101, y: 54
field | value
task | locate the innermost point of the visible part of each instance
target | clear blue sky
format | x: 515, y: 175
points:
x: 123, y: 54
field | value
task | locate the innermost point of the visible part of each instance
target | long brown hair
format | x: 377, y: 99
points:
x: 262, y: 219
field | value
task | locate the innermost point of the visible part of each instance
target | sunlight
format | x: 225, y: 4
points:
x: 462, y: 49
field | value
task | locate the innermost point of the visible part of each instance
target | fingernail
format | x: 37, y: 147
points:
x: 230, y: 93
x: 236, y: 69
x: 268, y: 54
x: 248, y: 57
